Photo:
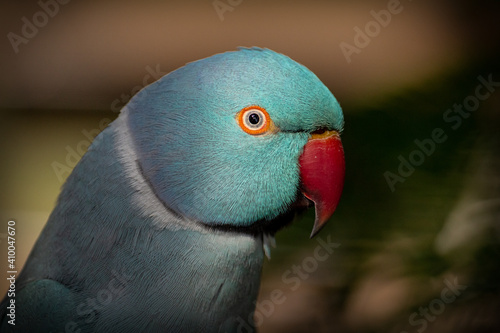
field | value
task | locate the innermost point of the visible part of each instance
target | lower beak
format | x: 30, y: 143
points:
x: 322, y: 169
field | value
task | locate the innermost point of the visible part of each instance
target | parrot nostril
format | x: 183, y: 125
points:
x: 320, y: 130
x: 323, y: 133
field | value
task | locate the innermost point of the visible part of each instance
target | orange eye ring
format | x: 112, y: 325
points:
x: 254, y: 120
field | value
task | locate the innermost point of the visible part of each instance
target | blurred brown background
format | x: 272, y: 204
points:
x: 67, y: 68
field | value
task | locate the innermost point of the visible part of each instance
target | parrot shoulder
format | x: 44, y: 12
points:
x: 43, y: 305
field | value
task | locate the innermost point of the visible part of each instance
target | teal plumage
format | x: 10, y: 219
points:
x: 160, y: 227
x: 205, y: 154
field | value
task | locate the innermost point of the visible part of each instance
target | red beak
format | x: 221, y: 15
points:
x: 322, y: 169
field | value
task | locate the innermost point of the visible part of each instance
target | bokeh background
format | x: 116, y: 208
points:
x: 422, y: 255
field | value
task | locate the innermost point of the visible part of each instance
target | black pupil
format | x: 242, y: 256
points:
x: 254, y: 118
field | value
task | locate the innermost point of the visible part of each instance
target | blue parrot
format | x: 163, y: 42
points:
x: 163, y: 224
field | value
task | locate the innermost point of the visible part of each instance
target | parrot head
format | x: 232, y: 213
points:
x: 240, y: 140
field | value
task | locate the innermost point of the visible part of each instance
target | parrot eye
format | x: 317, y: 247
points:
x: 254, y: 120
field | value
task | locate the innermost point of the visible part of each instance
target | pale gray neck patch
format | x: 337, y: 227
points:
x: 142, y: 193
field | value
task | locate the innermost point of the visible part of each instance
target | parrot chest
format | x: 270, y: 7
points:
x: 188, y: 281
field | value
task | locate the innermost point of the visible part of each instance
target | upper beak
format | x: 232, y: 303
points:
x: 322, y: 169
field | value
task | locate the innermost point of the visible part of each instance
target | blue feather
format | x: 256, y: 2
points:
x: 150, y: 232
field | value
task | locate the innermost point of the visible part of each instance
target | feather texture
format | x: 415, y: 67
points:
x: 161, y: 225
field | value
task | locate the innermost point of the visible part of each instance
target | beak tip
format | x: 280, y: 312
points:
x: 313, y: 233
x: 319, y: 223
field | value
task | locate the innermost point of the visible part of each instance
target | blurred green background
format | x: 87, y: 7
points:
x: 420, y: 255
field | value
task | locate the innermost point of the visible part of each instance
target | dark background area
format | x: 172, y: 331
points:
x: 420, y: 255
